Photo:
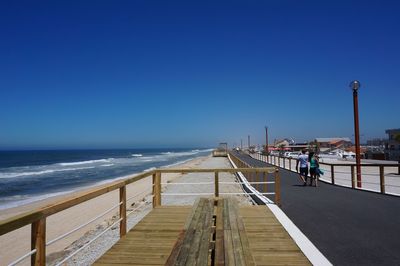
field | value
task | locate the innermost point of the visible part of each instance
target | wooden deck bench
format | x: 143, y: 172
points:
x: 231, y: 242
x: 202, y: 243
x: 212, y: 232
x: 193, y: 244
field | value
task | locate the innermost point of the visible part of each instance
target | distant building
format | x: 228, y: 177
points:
x: 281, y: 143
x: 392, y: 146
x: 329, y: 144
x: 298, y: 146
x: 376, y: 142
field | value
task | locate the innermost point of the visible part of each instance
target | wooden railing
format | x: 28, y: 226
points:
x: 37, y: 218
x: 373, y: 175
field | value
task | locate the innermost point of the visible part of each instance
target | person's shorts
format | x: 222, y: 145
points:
x: 313, y: 171
x: 304, y: 171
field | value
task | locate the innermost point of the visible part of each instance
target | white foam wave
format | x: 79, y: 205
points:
x: 20, y: 200
x: 20, y: 174
x: 86, y: 162
x: 137, y: 155
x: 107, y: 165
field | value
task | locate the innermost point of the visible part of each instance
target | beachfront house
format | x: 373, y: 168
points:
x: 330, y: 144
x: 392, y: 146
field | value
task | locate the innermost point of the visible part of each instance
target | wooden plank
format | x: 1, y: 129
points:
x: 180, y: 255
x: 203, y: 253
x: 219, y: 234
x: 38, y: 242
x: 149, y: 246
x: 122, y: 211
x: 237, y: 245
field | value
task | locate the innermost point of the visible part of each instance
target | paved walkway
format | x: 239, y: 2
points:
x: 349, y: 227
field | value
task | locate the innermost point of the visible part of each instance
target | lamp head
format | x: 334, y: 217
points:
x: 355, y: 85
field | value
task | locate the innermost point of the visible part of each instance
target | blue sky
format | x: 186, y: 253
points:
x: 126, y: 74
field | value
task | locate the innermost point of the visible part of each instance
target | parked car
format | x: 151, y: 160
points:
x: 292, y: 154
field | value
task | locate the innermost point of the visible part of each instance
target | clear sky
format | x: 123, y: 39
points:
x: 126, y: 74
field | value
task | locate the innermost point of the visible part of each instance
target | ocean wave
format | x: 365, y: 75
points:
x: 106, y: 165
x: 86, y: 162
x: 49, y: 171
x: 137, y: 155
x: 19, y: 200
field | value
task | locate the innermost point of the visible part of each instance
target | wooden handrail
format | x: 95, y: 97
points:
x: 224, y: 170
x: 37, y: 218
x: 23, y: 219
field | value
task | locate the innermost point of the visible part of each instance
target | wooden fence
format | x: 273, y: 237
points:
x: 37, y: 218
x: 345, y: 173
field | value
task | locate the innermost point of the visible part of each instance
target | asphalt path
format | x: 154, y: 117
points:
x: 350, y: 227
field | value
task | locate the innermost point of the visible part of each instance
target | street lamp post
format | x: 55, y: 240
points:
x: 355, y: 85
x: 266, y: 140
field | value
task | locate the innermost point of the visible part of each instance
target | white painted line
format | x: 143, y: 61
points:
x: 306, y: 246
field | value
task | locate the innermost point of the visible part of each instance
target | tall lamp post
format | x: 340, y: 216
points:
x: 266, y: 140
x: 355, y: 85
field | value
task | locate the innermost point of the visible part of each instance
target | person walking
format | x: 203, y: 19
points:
x: 314, y: 164
x: 303, y: 161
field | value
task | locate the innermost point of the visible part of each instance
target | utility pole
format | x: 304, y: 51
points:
x: 355, y: 85
x: 248, y: 141
x: 266, y: 140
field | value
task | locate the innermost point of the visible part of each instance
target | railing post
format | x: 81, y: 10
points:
x: 290, y: 164
x: 38, y: 242
x: 398, y: 168
x: 353, y: 179
x: 279, y: 161
x: 277, y: 188
x: 332, y: 174
x: 382, y: 178
x: 122, y: 211
x: 265, y: 180
x: 216, y: 181
x: 156, y: 189
x: 256, y: 180
x: 284, y: 163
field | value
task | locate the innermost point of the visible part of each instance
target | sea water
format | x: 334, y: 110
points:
x: 28, y: 176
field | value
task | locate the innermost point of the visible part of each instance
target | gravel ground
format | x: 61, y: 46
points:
x: 140, y: 209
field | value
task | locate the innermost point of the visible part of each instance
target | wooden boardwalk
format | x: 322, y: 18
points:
x: 153, y: 239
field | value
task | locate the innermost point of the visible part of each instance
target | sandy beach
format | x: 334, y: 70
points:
x: 17, y: 243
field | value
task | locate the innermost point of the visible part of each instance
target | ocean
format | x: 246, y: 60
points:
x: 28, y: 176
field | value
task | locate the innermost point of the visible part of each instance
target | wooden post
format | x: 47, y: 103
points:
x: 398, y: 170
x: 38, y: 242
x: 122, y: 211
x: 156, y: 189
x: 265, y: 184
x: 353, y: 179
x: 216, y: 181
x: 332, y: 174
x: 382, y: 178
x: 277, y: 188
x: 256, y: 180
